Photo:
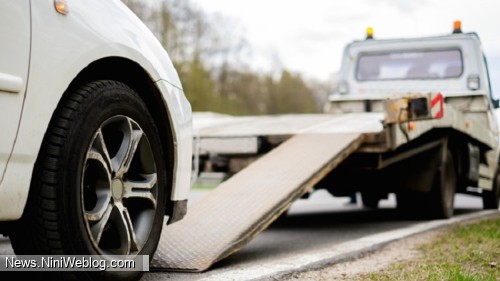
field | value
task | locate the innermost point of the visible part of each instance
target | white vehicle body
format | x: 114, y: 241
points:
x: 96, y: 144
x: 42, y: 52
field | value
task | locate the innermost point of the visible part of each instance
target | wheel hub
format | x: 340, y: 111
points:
x: 120, y: 203
x: 117, y: 189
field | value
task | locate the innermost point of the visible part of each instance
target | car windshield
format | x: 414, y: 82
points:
x: 408, y: 65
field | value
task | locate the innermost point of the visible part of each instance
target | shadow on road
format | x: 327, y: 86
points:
x: 302, y: 231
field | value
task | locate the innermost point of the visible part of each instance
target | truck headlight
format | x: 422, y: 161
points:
x: 473, y: 82
x: 343, y: 88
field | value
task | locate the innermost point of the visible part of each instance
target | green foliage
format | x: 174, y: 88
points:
x: 253, y: 94
x: 198, y: 86
x: 292, y: 95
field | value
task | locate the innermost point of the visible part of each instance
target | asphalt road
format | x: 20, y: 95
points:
x: 314, y: 223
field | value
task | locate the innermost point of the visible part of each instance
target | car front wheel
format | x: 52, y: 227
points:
x: 98, y: 186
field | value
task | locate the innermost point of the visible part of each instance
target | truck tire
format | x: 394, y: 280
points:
x: 99, y: 182
x: 491, y: 198
x: 442, y: 195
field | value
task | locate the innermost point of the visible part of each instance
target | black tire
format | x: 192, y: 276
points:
x: 438, y: 203
x: 442, y: 195
x: 370, y: 200
x: 98, y: 186
x: 491, y: 198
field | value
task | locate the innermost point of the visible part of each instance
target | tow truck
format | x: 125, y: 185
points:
x: 413, y: 116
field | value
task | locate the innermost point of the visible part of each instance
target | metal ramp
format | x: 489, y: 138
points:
x: 247, y: 203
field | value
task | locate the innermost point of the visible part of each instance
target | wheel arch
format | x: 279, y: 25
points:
x: 134, y: 76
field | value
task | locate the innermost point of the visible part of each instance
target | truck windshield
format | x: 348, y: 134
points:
x: 409, y: 65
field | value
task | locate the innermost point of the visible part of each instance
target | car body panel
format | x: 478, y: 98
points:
x: 181, y: 110
x: 14, y: 63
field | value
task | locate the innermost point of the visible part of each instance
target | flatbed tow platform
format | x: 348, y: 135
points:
x: 244, y: 205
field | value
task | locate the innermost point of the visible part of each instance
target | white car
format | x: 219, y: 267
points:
x: 96, y: 132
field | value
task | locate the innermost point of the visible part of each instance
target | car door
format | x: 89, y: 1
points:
x: 14, y: 63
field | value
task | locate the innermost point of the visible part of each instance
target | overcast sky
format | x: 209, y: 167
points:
x: 308, y: 36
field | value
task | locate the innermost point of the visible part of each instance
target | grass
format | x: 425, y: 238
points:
x: 466, y: 252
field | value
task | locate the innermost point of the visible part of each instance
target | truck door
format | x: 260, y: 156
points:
x: 15, y: 23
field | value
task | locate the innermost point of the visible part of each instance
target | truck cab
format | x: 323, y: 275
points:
x: 453, y: 64
x: 427, y: 153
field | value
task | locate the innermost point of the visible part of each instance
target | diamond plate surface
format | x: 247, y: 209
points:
x: 240, y: 208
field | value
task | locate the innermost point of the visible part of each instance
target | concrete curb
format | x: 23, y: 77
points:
x: 351, y: 250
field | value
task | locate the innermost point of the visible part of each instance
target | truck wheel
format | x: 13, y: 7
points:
x: 99, y: 183
x: 442, y: 195
x: 370, y: 200
x: 491, y: 198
